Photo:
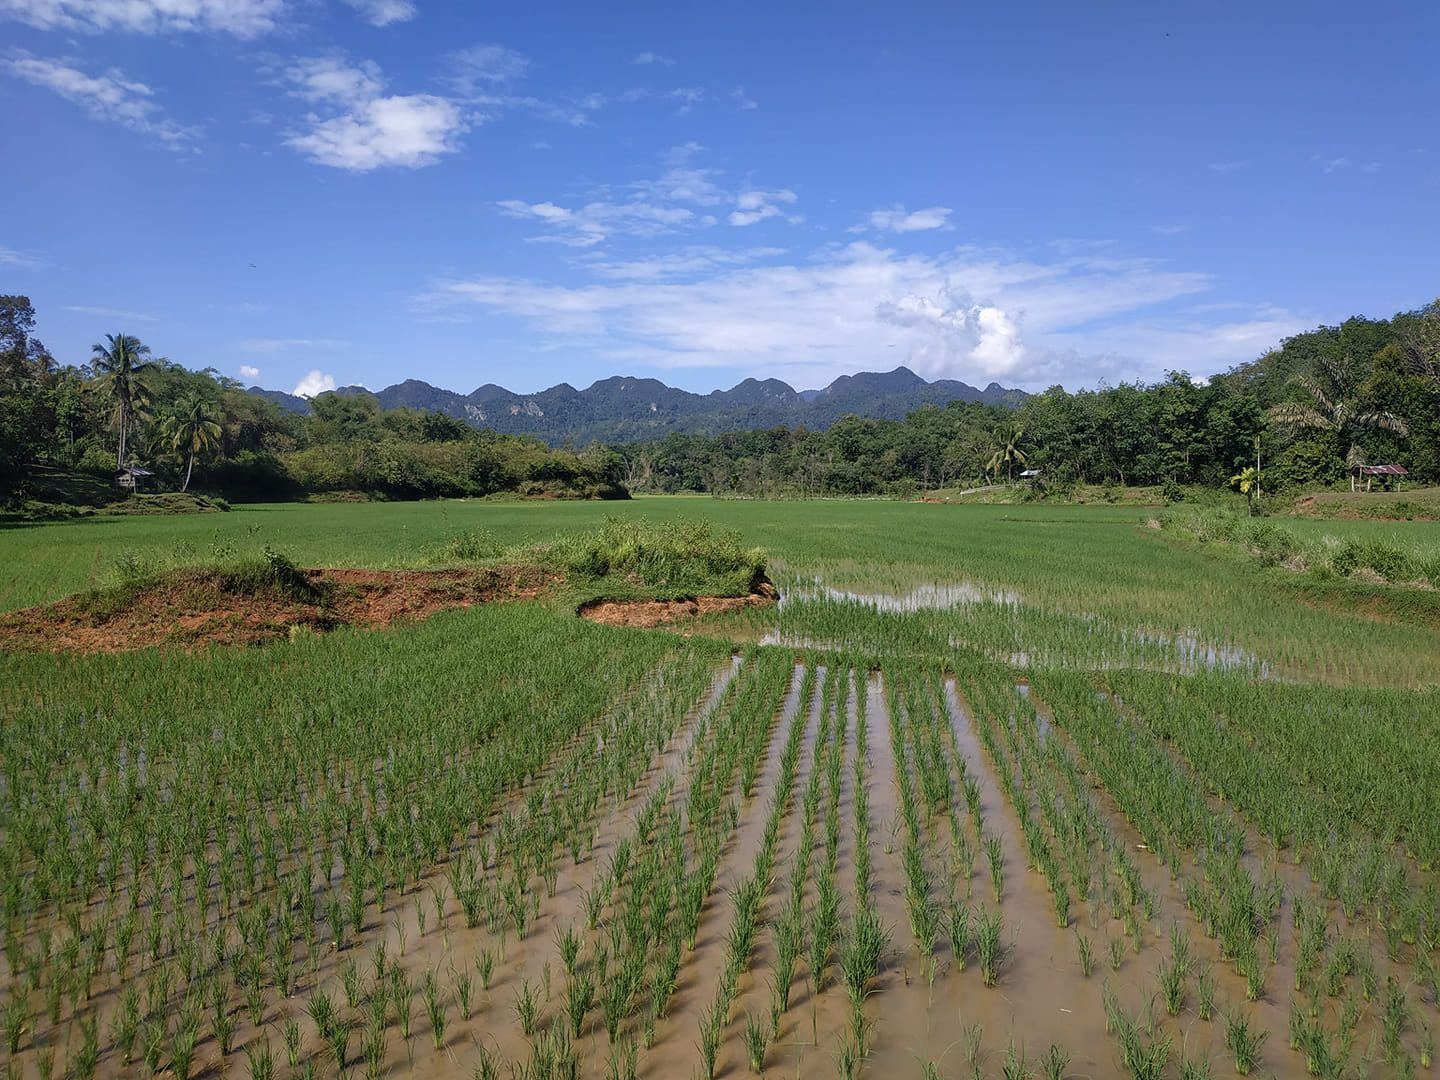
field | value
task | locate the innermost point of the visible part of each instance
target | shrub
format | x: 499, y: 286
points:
x: 674, y: 559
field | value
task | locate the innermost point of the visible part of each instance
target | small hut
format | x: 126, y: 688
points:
x: 134, y: 478
x: 1030, y: 474
x: 1369, y: 473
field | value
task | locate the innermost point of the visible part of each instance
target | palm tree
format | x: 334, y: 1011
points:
x: 1333, y: 407
x: 1008, y: 450
x: 192, y: 429
x: 120, y: 363
x: 1248, y: 481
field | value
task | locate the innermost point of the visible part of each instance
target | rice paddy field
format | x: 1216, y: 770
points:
x: 991, y: 791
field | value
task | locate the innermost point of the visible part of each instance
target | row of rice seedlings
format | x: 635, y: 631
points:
x: 749, y: 895
x: 865, y: 939
x: 265, y: 960
x: 1234, y: 908
x: 650, y: 899
x: 1342, y: 795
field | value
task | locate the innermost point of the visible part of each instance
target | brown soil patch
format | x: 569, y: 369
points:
x: 650, y: 613
x: 194, y: 609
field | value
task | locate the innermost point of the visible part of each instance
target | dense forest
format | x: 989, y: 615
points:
x: 1367, y: 390
x: 199, y: 430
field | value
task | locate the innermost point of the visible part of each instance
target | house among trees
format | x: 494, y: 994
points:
x: 1030, y: 474
x: 1368, y: 473
x: 134, y: 477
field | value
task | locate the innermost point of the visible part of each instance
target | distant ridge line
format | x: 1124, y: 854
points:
x: 622, y: 408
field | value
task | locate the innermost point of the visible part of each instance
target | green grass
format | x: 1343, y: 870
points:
x: 1090, y: 578
x: 1223, y: 705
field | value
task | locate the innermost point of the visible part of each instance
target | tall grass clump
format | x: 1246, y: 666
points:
x: 666, y: 559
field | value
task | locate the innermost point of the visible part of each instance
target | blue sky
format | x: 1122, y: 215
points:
x: 304, y: 193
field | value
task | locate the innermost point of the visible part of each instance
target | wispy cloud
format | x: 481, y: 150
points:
x: 744, y: 100
x: 969, y: 313
x: 1226, y: 166
x: 111, y: 313
x: 384, y: 12
x: 756, y: 206
x: 1330, y: 165
x: 271, y: 346
x: 19, y: 259
x: 683, y: 195
x: 897, y: 219
x: 371, y: 130
x: 646, y: 58
x: 686, y: 262
x: 1169, y: 230
x: 242, y: 18
x: 481, y: 68
x: 110, y: 96
x: 589, y: 224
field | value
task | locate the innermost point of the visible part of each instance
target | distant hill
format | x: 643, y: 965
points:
x: 622, y: 409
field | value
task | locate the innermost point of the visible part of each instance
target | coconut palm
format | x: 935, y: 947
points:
x: 192, y: 429
x: 1007, y: 450
x: 1333, y: 407
x: 120, y: 362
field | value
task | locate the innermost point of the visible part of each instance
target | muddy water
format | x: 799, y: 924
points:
x: 1261, y: 859
x: 443, y: 950
x: 754, y: 995
x: 677, y: 1036
x: 931, y: 596
x: 1042, y: 998
x: 1137, y: 988
x: 810, y: 1029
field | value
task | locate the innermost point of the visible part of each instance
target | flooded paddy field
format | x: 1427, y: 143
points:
x: 988, y: 792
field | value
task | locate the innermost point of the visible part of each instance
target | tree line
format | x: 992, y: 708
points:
x: 1366, y: 391
x: 126, y: 407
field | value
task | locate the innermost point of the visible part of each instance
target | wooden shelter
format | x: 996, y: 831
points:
x: 1368, y: 473
x: 134, y: 477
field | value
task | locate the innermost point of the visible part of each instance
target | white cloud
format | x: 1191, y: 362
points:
x: 334, y: 79
x: 665, y: 204
x: 373, y: 130
x: 314, y: 382
x: 968, y: 314
x: 744, y: 100
x: 1330, y: 165
x: 1226, y: 166
x: 243, y: 18
x: 753, y: 206
x: 384, y: 12
x: 19, y: 259
x: 110, y: 313
x: 249, y: 371
x: 1169, y: 230
x: 897, y: 219
x: 109, y: 97
x: 653, y: 58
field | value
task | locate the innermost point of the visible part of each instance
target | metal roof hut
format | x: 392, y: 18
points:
x: 1368, y: 473
x: 133, y: 477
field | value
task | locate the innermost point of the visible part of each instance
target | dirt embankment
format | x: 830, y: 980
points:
x: 651, y: 613
x: 196, y: 608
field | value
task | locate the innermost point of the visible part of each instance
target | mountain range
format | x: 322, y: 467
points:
x: 623, y: 409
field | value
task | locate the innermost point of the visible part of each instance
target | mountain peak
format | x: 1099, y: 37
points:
x: 627, y: 408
